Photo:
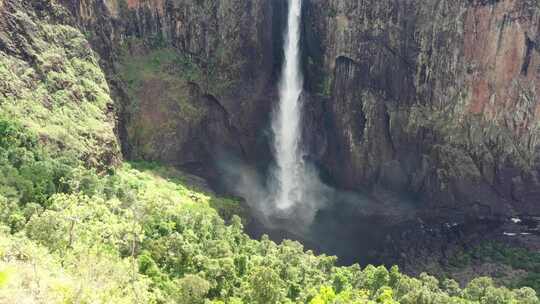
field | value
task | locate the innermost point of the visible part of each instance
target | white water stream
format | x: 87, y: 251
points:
x: 290, y: 171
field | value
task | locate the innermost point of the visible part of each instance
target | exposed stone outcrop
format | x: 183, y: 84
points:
x: 432, y: 97
x: 437, y: 97
x: 232, y: 47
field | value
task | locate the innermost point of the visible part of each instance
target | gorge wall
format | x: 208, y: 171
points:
x: 435, y: 98
x: 194, y: 79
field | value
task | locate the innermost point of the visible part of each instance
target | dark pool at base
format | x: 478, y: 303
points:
x: 371, y: 238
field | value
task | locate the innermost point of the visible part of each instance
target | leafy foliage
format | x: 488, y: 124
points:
x: 58, y: 90
x: 70, y: 233
x: 499, y: 253
x: 140, y: 235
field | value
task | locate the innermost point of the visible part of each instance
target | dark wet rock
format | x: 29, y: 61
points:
x: 429, y: 97
x: 432, y: 97
x: 236, y: 46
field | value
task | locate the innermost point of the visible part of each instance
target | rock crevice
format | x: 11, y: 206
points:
x: 436, y: 98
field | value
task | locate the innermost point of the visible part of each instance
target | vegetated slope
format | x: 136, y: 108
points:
x: 512, y: 266
x: 140, y: 236
x: 73, y: 232
x: 51, y: 82
x: 171, y: 118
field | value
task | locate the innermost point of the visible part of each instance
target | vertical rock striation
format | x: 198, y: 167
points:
x: 435, y: 97
x: 230, y: 53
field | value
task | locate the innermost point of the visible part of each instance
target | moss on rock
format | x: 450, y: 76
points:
x: 51, y: 82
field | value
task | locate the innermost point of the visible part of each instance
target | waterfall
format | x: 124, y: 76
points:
x: 290, y: 168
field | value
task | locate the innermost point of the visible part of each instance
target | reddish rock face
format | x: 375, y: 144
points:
x: 499, y: 47
x: 432, y: 97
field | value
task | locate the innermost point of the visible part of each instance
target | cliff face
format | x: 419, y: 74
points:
x: 430, y: 97
x: 194, y: 78
x: 435, y: 97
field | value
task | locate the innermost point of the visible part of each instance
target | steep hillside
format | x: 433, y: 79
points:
x: 79, y: 225
x: 51, y: 82
x: 140, y: 234
x: 432, y: 98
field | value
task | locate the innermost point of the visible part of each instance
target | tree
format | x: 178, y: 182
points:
x: 193, y: 289
x: 526, y: 295
x: 451, y: 287
x: 325, y: 296
x: 266, y: 286
x: 477, y: 288
x: 386, y: 296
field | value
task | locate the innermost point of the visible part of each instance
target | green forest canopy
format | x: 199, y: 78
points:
x: 138, y: 234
